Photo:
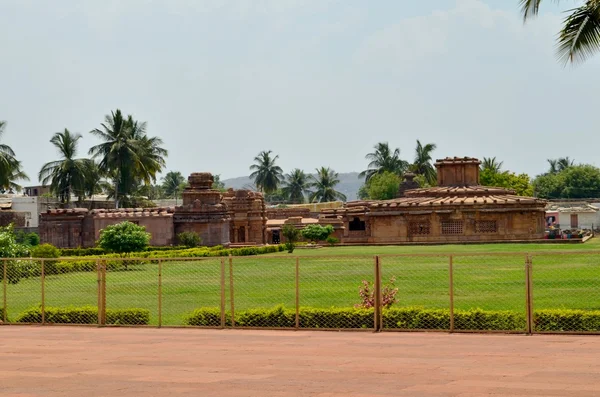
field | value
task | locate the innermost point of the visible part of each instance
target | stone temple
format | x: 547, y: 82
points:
x: 458, y: 209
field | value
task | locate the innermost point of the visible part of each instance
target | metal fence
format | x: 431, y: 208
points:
x: 557, y: 292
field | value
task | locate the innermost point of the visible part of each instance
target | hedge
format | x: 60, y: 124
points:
x: 395, y: 318
x: 85, y: 315
x: 567, y: 320
x: 175, y: 251
x: 2, y: 314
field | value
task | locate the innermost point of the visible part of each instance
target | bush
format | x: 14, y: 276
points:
x: 84, y: 315
x: 2, y: 315
x: 317, y: 233
x: 95, y: 251
x: 31, y: 239
x: 189, y: 239
x: 367, y: 295
x: 9, y: 247
x: 46, y: 251
x: 567, y: 320
x: 332, y: 241
x: 292, y: 235
x: 124, y: 238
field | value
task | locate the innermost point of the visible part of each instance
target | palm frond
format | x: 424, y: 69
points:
x: 580, y: 37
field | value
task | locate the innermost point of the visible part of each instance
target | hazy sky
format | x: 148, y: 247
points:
x: 319, y: 82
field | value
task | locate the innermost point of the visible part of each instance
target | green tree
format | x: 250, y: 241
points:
x: 172, y: 184
x: 292, y: 235
x: 67, y: 175
x: 423, y: 164
x: 383, y: 159
x: 491, y: 164
x: 521, y: 183
x: 218, y: 184
x: 324, y: 184
x: 383, y: 186
x: 316, y: 233
x: 581, y: 181
x: 549, y: 186
x: 124, y: 238
x: 579, y: 37
x: 363, y: 192
x: 127, y: 155
x: 266, y: 174
x: 295, y: 186
x: 10, y: 168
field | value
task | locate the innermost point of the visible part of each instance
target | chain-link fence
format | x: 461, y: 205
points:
x: 516, y: 292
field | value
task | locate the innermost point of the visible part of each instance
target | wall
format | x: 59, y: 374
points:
x: 29, y: 207
x: 159, y: 227
x: 585, y: 219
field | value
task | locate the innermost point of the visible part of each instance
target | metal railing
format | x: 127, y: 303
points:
x: 557, y: 292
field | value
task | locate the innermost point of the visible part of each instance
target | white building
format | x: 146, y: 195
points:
x: 575, y: 215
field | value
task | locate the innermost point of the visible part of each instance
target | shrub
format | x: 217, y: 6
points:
x: 82, y: 251
x: 46, y: 251
x: 124, y: 238
x: 332, y: 241
x: 567, y: 320
x: 189, y: 239
x: 31, y: 239
x: 2, y: 315
x: 367, y: 295
x: 9, y: 247
x: 317, y: 233
x: 292, y: 235
x: 84, y: 315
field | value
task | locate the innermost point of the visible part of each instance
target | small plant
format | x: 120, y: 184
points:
x: 332, y: 241
x: 367, y: 295
x: 189, y: 239
x: 291, y: 235
x: 46, y: 251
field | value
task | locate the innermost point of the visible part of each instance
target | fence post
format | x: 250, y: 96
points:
x: 451, y: 288
x: 103, y: 292
x: 377, y: 320
x: 222, y: 292
x: 297, y: 292
x: 529, y: 293
x: 231, y: 291
x: 159, y: 293
x: 5, y: 320
x: 99, y: 277
x: 43, y: 279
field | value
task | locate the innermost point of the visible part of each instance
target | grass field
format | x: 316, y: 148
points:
x: 565, y: 276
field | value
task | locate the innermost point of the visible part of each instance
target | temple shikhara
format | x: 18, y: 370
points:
x: 457, y: 209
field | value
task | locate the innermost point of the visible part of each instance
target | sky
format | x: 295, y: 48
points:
x: 318, y: 82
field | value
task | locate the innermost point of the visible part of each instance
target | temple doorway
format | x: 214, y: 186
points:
x: 276, y: 237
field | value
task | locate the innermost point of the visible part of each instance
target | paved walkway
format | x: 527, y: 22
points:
x: 73, y: 361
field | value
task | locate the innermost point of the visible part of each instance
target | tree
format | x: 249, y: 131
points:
x: 491, y: 164
x: 127, y: 155
x: 266, y: 174
x: 295, y: 186
x: 69, y: 174
x: 291, y: 235
x: 172, y: 184
x: 324, y: 184
x: 382, y: 160
x: 124, y: 238
x: 316, y: 233
x: 383, y: 186
x: 581, y: 181
x: 218, y: 184
x: 10, y: 168
x: 579, y: 37
x: 521, y: 184
x: 423, y: 162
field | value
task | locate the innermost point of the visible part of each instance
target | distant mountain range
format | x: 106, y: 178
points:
x: 349, y: 184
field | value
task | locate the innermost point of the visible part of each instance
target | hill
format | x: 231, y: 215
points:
x: 349, y: 184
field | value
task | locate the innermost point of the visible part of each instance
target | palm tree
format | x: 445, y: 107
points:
x: 423, y: 162
x: 564, y: 163
x: 68, y: 175
x: 382, y: 160
x: 295, y: 186
x: 266, y: 174
x: 10, y: 168
x: 491, y: 164
x: 553, y: 166
x: 324, y: 183
x: 172, y: 183
x: 127, y: 154
x: 579, y: 37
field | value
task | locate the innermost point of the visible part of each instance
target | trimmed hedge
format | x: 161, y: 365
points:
x: 85, y: 315
x: 567, y: 320
x: 2, y: 315
x: 175, y: 251
x: 395, y: 318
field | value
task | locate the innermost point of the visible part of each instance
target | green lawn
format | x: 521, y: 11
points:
x: 330, y: 277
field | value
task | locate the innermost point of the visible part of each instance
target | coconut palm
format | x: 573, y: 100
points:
x: 295, y: 186
x: 172, y: 183
x: 68, y: 174
x: 383, y: 159
x: 423, y: 162
x: 10, y: 168
x: 491, y: 164
x: 579, y: 37
x: 266, y: 174
x: 324, y: 183
x: 127, y: 154
x: 560, y: 164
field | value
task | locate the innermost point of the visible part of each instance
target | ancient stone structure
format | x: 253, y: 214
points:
x: 408, y: 184
x: 457, y: 210
x: 203, y: 211
x: 246, y: 210
x: 80, y: 227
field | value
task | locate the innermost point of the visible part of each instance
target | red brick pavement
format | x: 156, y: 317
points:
x: 72, y: 361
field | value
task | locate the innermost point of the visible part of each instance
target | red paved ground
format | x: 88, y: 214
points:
x: 71, y: 361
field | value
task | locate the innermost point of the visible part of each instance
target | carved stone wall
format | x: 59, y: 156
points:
x: 246, y: 210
